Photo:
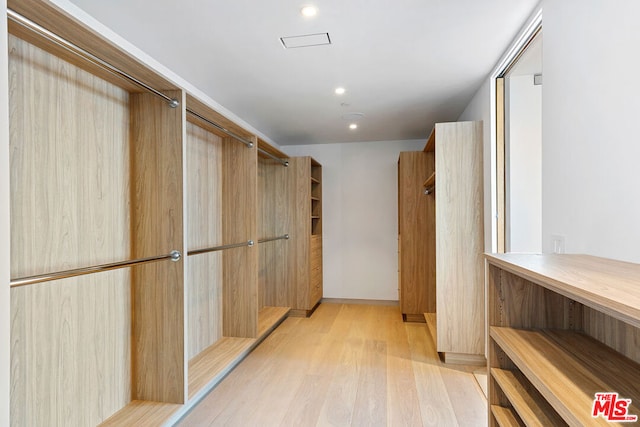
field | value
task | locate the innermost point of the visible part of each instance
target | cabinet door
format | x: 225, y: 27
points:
x: 315, y: 282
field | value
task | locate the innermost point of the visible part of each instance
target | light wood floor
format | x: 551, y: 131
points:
x: 347, y: 365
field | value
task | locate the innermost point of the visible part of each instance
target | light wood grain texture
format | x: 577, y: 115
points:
x: 615, y: 333
x: 306, y: 246
x: 264, y: 145
x: 157, y: 228
x: 530, y: 406
x: 69, y: 202
x: 301, y: 168
x: 569, y: 383
x: 347, y: 365
x: 432, y: 321
x: 464, y: 359
x: 505, y: 416
x: 210, y: 366
x: 269, y: 318
x: 431, y: 141
x: 430, y: 181
x: 611, y: 287
x: 417, y: 230
x: 204, y: 229
x: 276, y: 214
x: 144, y: 414
x: 203, y: 109
x: 459, y: 238
x: 316, y: 198
x: 520, y: 303
x: 239, y: 224
x: 53, y: 18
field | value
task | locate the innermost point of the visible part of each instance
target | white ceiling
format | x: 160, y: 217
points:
x: 405, y: 64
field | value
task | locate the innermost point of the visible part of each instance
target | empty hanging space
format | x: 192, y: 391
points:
x: 276, y: 252
x: 96, y: 171
x: 222, y: 258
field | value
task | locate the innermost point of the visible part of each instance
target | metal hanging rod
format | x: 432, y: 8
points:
x: 23, y: 281
x: 220, y: 248
x: 88, y: 56
x: 278, y: 159
x: 270, y: 239
x: 65, y: 44
x: 245, y: 141
x: 429, y: 190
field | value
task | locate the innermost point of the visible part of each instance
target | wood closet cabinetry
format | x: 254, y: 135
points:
x: 416, y: 237
x: 441, y: 239
x: 136, y: 172
x: 561, y: 329
x: 308, y: 235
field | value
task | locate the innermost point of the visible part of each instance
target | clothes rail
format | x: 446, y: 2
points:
x: 270, y: 239
x: 245, y: 141
x: 278, y: 159
x: 220, y: 248
x: 23, y: 281
x: 87, y: 56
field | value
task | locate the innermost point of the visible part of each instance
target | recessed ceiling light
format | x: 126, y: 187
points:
x: 340, y: 91
x: 309, y: 11
x: 353, y: 126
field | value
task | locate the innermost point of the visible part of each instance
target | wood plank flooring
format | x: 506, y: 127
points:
x: 347, y: 365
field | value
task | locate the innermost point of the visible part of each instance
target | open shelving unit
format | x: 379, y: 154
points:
x: 562, y: 329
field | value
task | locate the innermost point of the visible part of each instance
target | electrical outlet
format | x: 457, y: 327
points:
x: 557, y: 244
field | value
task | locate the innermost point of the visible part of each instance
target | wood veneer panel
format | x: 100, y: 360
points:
x: 275, y: 217
x: 505, y: 416
x: 611, y: 287
x: 208, y: 367
x: 459, y: 238
x: 301, y: 187
x: 143, y: 414
x: 157, y: 228
x: 417, y: 230
x: 69, y: 165
x: 529, y: 405
x: 239, y: 224
x: 615, y: 333
x: 48, y: 15
x: 567, y: 380
x: 204, y: 230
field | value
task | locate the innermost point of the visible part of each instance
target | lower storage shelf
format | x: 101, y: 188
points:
x: 505, y: 416
x: 527, y: 402
x: 567, y: 368
x: 206, y: 370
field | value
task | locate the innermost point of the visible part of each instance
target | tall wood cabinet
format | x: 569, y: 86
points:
x: 441, y: 239
x: 137, y: 238
x: 308, y: 232
x: 459, y: 241
x: 416, y: 237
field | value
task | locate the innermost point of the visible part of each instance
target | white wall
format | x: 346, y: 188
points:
x: 590, y: 110
x: 4, y: 226
x: 523, y: 164
x: 360, y: 216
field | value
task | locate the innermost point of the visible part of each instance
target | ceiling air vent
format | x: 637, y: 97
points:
x: 306, y: 40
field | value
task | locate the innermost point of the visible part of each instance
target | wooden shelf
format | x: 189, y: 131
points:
x: 505, y: 416
x: 315, y: 199
x: 314, y: 180
x: 269, y: 318
x: 611, y: 287
x: 568, y: 368
x: 210, y: 366
x: 145, y: 413
x: 528, y: 403
x: 431, y: 141
x: 431, y: 181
